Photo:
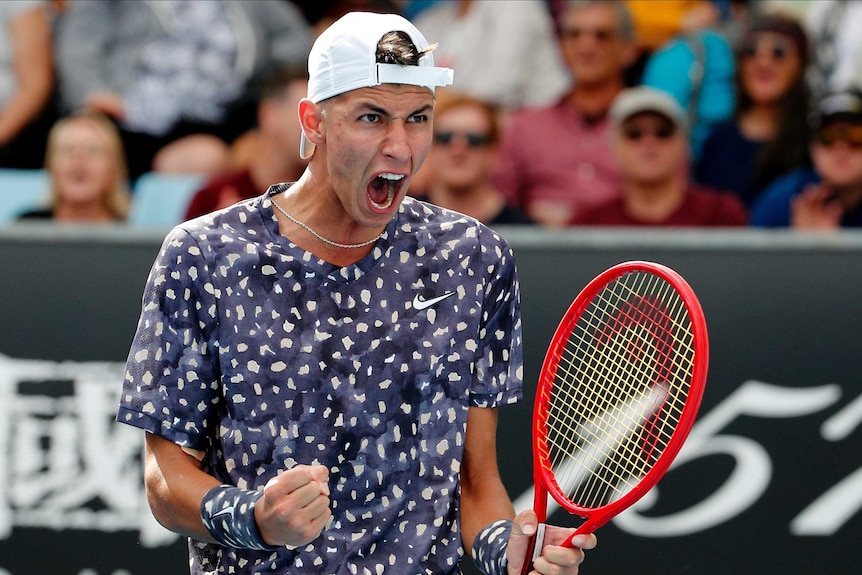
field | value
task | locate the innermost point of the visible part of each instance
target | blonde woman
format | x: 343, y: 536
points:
x: 87, y: 168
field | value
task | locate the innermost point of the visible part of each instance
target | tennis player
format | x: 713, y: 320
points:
x: 318, y: 368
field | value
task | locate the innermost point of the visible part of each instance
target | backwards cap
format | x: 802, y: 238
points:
x: 344, y: 58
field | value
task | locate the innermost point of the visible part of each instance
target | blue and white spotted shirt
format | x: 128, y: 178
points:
x: 263, y: 356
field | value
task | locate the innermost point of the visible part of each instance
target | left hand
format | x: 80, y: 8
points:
x: 554, y: 558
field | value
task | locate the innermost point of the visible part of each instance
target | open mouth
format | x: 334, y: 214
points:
x: 384, y: 189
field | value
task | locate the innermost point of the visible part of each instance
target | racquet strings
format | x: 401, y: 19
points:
x: 621, y: 383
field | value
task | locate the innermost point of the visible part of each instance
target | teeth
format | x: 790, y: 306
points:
x: 392, y: 177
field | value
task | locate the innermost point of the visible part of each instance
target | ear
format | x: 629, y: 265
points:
x: 311, y: 120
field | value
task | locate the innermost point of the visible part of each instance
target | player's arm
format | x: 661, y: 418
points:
x: 484, y: 500
x: 176, y: 485
x: 483, y: 496
x: 292, y: 510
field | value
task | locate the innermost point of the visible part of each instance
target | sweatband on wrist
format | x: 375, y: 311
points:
x: 228, y: 514
x: 489, y: 547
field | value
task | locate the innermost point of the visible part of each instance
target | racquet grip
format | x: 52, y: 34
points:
x: 535, y: 549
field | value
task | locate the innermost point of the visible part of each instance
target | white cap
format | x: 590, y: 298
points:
x: 343, y: 58
x: 646, y: 99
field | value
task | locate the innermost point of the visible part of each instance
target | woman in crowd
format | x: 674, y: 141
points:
x: 457, y: 173
x: 767, y: 137
x: 87, y: 170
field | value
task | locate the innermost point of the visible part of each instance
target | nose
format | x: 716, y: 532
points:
x: 397, y: 143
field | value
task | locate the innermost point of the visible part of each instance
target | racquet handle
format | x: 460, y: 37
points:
x: 538, y: 540
x: 534, y: 549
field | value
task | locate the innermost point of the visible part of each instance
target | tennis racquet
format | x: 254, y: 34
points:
x: 618, y: 393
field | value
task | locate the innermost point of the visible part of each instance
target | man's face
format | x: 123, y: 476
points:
x: 649, y: 148
x: 837, y: 153
x: 280, y: 120
x: 592, y: 45
x: 375, y: 139
x: 463, y: 154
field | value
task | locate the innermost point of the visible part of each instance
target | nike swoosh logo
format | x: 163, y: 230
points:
x: 226, y: 511
x: 420, y: 303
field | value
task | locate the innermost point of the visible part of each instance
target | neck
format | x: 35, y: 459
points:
x: 317, y: 220
x: 82, y: 213
x: 654, y: 201
x: 594, y: 100
x: 482, y: 201
x: 760, y: 122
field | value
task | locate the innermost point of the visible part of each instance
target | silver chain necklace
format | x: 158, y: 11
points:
x: 320, y: 237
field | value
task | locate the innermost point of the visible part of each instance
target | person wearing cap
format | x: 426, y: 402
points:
x: 827, y: 196
x: 318, y: 368
x: 650, y: 141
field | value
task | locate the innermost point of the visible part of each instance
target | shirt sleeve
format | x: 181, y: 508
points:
x: 499, y: 370
x: 171, y: 385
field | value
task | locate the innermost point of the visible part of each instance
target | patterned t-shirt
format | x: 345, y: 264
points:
x: 262, y: 355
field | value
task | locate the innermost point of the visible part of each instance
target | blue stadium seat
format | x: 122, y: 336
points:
x: 21, y: 190
x: 160, y: 200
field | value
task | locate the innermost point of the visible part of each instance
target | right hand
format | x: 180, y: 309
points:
x: 295, y: 506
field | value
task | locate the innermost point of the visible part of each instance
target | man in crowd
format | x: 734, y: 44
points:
x: 272, y: 147
x: 650, y: 141
x: 555, y: 162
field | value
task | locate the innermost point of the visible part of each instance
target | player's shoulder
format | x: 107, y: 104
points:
x: 427, y: 218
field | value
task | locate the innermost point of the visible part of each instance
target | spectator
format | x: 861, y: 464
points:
x: 555, y: 162
x: 174, y: 74
x: 274, y: 154
x: 504, y: 55
x: 696, y: 66
x: 766, y: 138
x: 829, y: 196
x: 26, y: 83
x: 87, y: 170
x: 459, y: 165
x: 650, y: 141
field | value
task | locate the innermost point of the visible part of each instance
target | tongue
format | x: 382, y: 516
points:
x: 379, y: 191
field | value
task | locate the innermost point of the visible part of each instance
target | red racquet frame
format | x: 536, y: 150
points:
x: 545, y: 483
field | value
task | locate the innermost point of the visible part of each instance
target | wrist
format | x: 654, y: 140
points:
x: 228, y: 514
x: 489, y: 547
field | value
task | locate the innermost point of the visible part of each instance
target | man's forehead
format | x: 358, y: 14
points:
x: 388, y: 96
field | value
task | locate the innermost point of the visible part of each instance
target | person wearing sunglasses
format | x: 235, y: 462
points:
x: 765, y: 138
x: 458, y: 168
x: 650, y: 142
x: 827, y: 196
x: 555, y: 161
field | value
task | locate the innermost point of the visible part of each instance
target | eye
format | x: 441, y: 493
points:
x: 418, y: 118
x: 370, y: 117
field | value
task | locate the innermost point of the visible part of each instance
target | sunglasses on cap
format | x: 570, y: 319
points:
x: 472, y: 139
x: 831, y: 135
x: 662, y: 132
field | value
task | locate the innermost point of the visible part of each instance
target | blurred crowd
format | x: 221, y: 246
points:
x: 564, y: 113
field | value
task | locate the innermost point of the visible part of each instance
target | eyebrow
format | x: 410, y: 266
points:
x: 383, y: 112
